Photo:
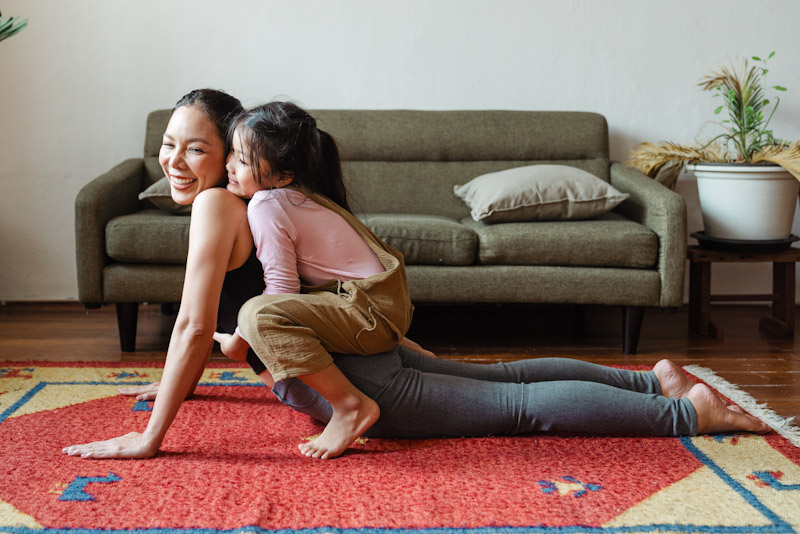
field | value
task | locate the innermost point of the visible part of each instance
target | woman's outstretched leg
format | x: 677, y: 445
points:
x: 666, y: 378
x: 425, y: 405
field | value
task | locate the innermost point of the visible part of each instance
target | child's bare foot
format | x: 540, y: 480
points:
x: 674, y: 382
x: 714, y: 416
x: 346, y: 425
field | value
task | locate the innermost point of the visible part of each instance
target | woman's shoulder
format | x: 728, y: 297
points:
x: 219, y: 199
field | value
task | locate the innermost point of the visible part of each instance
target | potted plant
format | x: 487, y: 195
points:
x: 10, y: 26
x: 747, y: 179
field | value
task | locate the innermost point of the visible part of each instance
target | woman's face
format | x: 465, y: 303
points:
x: 192, y: 154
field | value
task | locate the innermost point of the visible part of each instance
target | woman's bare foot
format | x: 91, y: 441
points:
x: 674, y: 382
x: 714, y: 416
x: 347, y: 424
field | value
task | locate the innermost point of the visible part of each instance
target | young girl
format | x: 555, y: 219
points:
x: 331, y: 284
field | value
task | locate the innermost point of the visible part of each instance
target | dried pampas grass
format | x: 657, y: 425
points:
x: 665, y: 161
x: 786, y: 157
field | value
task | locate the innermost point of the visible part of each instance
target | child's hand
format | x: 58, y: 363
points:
x: 415, y: 347
x: 232, y: 346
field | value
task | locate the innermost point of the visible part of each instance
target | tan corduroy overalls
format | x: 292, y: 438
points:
x: 294, y: 334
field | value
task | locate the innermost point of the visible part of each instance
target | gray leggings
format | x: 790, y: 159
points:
x: 423, y: 397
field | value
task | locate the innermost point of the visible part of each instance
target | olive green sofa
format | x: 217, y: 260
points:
x: 401, y: 167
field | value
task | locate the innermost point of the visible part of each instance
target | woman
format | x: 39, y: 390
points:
x: 418, y: 396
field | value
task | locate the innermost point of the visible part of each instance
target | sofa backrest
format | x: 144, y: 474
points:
x: 407, y: 161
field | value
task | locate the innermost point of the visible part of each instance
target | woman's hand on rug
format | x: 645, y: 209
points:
x: 147, y: 392
x: 132, y: 445
x: 143, y: 393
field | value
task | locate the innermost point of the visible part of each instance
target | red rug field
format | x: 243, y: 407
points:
x: 230, y: 464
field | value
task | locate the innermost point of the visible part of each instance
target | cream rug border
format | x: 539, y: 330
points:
x: 783, y: 426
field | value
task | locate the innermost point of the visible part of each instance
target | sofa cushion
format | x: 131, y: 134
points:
x: 159, y: 194
x: 538, y: 193
x: 148, y: 236
x: 610, y: 240
x: 425, y: 239
x: 154, y: 236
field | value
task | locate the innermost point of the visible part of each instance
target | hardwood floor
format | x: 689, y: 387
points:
x: 765, y: 366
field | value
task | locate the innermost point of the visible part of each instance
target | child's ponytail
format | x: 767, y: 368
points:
x: 331, y: 170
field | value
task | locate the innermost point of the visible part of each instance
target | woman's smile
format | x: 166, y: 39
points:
x: 181, y: 182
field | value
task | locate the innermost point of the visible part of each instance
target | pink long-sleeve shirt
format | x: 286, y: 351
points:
x: 298, y: 240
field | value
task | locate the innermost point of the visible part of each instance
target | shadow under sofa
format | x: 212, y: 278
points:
x: 401, y: 167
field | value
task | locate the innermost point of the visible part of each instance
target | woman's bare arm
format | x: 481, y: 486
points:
x: 148, y: 392
x: 217, y: 237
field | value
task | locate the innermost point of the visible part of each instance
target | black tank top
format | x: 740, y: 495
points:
x: 241, y: 285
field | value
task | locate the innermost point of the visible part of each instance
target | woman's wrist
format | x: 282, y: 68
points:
x: 151, y: 442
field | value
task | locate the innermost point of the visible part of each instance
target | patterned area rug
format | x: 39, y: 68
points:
x: 230, y: 464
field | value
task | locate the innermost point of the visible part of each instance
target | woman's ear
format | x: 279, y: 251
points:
x: 285, y: 179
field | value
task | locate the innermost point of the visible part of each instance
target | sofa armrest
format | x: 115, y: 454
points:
x: 664, y: 212
x: 109, y: 195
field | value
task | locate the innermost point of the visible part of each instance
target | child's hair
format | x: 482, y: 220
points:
x: 220, y: 107
x: 287, y: 137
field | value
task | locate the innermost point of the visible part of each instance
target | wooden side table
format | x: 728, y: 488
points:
x: 780, y: 322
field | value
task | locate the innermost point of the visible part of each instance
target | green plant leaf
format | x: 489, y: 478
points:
x: 778, y: 88
x: 718, y: 110
x: 7, y: 28
x: 771, y: 54
x: 756, y: 58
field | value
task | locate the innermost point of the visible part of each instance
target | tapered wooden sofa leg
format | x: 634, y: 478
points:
x: 127, y: 317
x: 631, y: 327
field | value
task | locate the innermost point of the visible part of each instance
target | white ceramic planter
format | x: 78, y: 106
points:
x: 747, y: 202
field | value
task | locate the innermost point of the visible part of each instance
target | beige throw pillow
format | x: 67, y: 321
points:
x: 538, y: 193
x: 159, y: 195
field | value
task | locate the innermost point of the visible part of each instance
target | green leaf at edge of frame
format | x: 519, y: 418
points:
x: 8, y: 24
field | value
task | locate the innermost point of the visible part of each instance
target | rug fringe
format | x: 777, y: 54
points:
x: 783, y: 426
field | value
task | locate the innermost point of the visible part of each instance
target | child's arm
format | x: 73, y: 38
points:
x: 232, y: 345
x: 275, y: 236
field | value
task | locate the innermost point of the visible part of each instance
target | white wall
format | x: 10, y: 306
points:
x: 79, y: 81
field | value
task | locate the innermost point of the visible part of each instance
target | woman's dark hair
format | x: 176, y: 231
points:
x: 220, y: 107
x: 287, y: 137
